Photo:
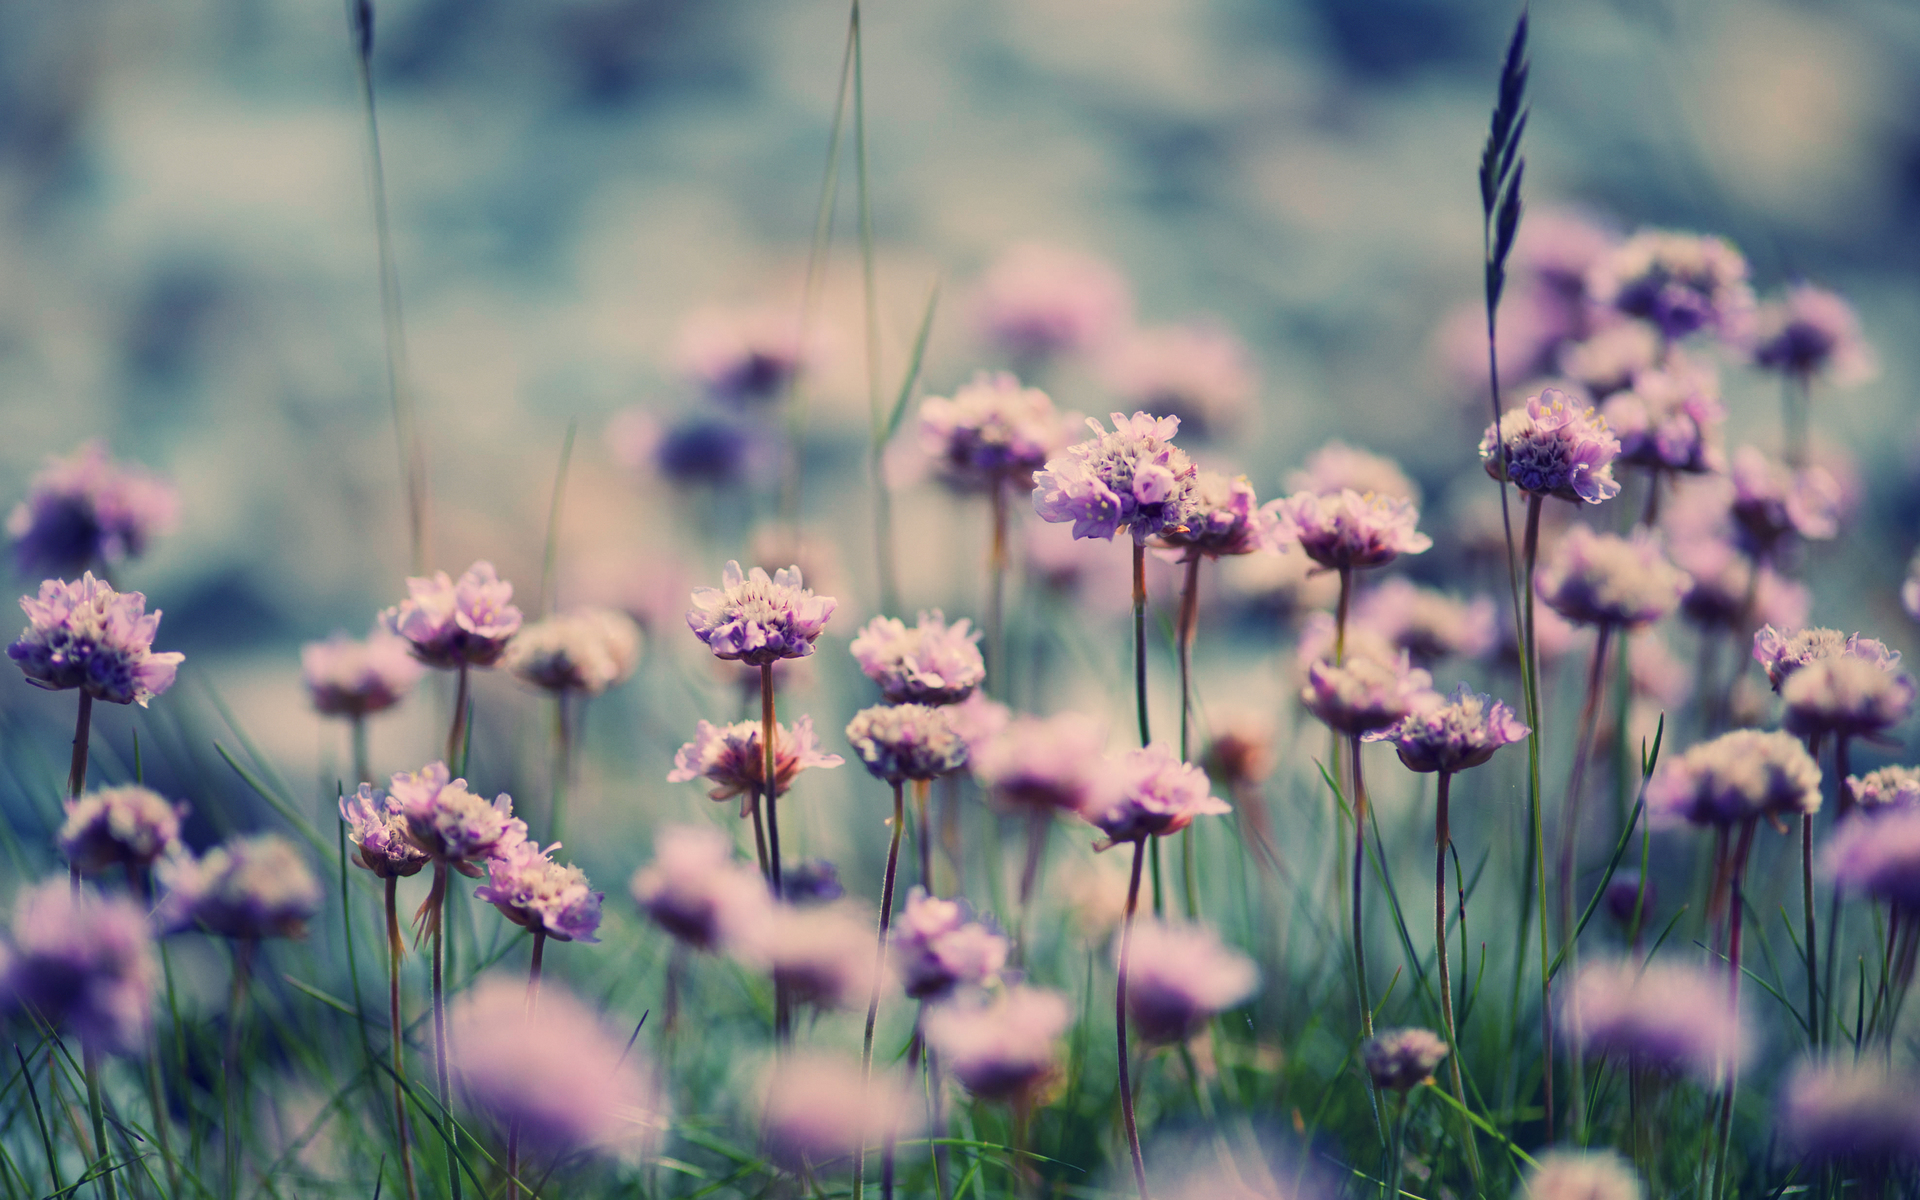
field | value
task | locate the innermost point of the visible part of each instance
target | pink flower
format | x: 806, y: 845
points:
x: 1366, y: 692
x: 1604, y: 579
x: 1670, y: 418
x: 86, y: 509
x: 86, y: 635
x: 1043, y: 763
x: 450, y: 823
x: 816, y: 1110
x: 1222, y: 521
x: 898, y: 742
x: 1181, y: 975
x: 931, y: 663
x: 759, y: 620
x: 821, y: 956
x: 1403, y: 1059
x: 1659, y: 1015
x: 1349, y: 529
x: 1134, y: 478
x: 1848, y: 696
x: 1460, y: 733
x: 246, y: 888
x: 451, y: 623
x: 1553, y: 449
x: 379, y: 831
x: 1813, y: 332
x: 1200, y: 373
x: 1429, y: 625
x: 936, y: 949
x: 1735, y: 777
x: 1037, y: 301
x: 731, y: 758
x: 1887, y: 789
x: 1877, y: 854
x: 741, y: 356
x: 1337, y: 467
x: 80, y: 962
x: 586, y: 652
x: 993, y: 429
x: 536, y: 893
x: 697, y: 891
x: 119, y: 827
x: 1581, y: 1175
x: 1001, y: 1048
x: 1682, y: 282
x: 1148, y: 793
x: 1782, y: 654
x: 348, y: 678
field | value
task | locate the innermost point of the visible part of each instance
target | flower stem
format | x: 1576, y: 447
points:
x: 1189, y: 619
x: 1530, y: 673
x: 1340, y: 616
x: 442, y: 1078
x: 513, y: 1130
x: 457, y: 735
x: 1140, y: 639
x: 1441, y: 837
x: 879, y: 967
x: 1736, y: 921
x: 997, y: 592
x: 82, y: 728
x: 1359, y: 875
x: 1810, y: 926
x: 231, y: 1076
x: 1570, y: 812
x: 769, y: 778
x: 395, y: 949
x: 90, y: 1065
x: 563, y: 719
x: 1040, y: 824
x: 1120, y: 1013
x: 362, y: 771
x: 923, y: 823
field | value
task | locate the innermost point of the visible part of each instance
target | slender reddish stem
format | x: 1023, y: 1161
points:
x: 1120, y: 1018
x: 395, y: 948
x: 879, y: 969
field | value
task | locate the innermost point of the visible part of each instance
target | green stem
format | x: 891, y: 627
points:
x: 997, y: 592
x: 457, y: 733
x: 1188, y: 620
x: 90, y: 1060
x: 1140, y: 640
x: 230, y: 1074
x: 1530, y: 671
x: 398, y: 1033
x: 879, y: 968
x: 1441, y: 838
x: 442, y: 1076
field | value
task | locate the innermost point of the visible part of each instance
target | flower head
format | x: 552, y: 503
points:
x: 1462, y: 732
x: 1553, y: 448
x: 1366, y: 693
x: 1037, y: 301
x: 586, y: 652
x: 931, y: 663
x: 741, y: 357
x: 993, y: 429
x: 246, y: 888
x: 1337, y: 467
x: 731, y: 758
x: 1223, y: 520
x: 1348, y: 529
x: 1782, y: 654
x: 704, y: 448
x: 1852, y: 1110
x: 1403, y: 1059
x: 1878, y: 857
x: 1429, y: 625
x: 536, y: 893
x: 87, y: 509
x: 1848, y: 696
x: 1812, y: 332
x: 1681, y: 282
x: 820, y: 956
x: 1887, y: 789
x: 1723, y: 578
x: 1605, y: 579
x: 1043, y: 763
x: 697, y: 891
x: 898, y: 742
x: 1772, y: 501
x: 1736, y: 777
x: 86, y: 635
x: 758, y: 620
x: 119, y: 827
x: 1609, y: 359
x: 80, y: 962
x: 449, y: 623
x: 1199, y: 373
x: 1003, y: 1047
x: 1180, y: 975
x: 1669, y: 419
x: 1581, y: 1175
x: 816, y: 1109
x: 349, y: 678
x: 1662, y: 1015
x: 811, y: 881
x: 937, y: 949
x: 379, y: 831
x: 450, y: 823
x: 1134, y: 478
x: 1148, y: 793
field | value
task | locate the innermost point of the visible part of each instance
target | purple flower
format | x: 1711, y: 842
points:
x: 450, y: 623
x: 1037, y: 301
x: 348, y: 678
x: 86, y: 635
x: 86, y: 509
x: 697, y: 891
x: 1223, y: 521
x: 821, y: 956
x: 815, y: 1109
x: 1348, y: 529
x: 1452, y: 736
x: 1004, y: 1047
x: 80, y: 962
x: 1403, y: 1059
x: 1610, y: 357
x: 450, y: 823
x: 1429, y: 625
x: 1554, y: 448
x: 712, y: 449
x: 811, y: 881
x: 1782, y: 653
x: 1887, y: 789
x: 1365, y: 694
x: 536, y: 893
x: 1134, y: 478
x: 246, y: 888
x: 1877, y: 855
x: 1735, y: 777
x: 1661, y: 1015
x: 1772, y: 501
x: 565, y: 1080
x: 1581, y: 1175
x: 1670, y: 418
x: 1848, y: 696
x: 1181, y: 975
x: 1337, y: 467
x: 1812, y: 332
x: 1148, y: 793
x: 731, y: 758
x: 1681, y: 282
x: 979, y: 720
x: 1199, y: 373
x: 1623, y: 895
x: 586, y: 652
x: 119, y: 827
x: 993, y: 429
x: 1723, y: 578
x: 1043, y: 763
x: 379, y: 830
x: 898, y: 742
x: 758, y: 620
x: 1851, y: 1110
x: 1241, y: 752
x: 936, y: 949
x: 1605, y: 579
x: 741, y: 356
x: 931, y: 663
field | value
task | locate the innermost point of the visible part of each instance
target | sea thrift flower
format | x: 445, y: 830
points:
x: 80, y: 962
x: 898, y: 742
x: 1180, y: 976
x: 815, y: 1109
x: 936, y: 949
x: 1682, y: 282
x: 450, y: 823
x: 1222, y: 521
x: 1337, y: 467
x: 741, y: 356
x: 561, y: 1077
x: 1148, y: 793
x: 119, y: 827
x: 1134, y: 478
x: 758, y: 620
x: 1812, y: 332
x: 993, y: 429
x: 1036, y: 301
x: 1848, y: 696
x: 586, y: 652
x: 821, y: 956
x: 1553, y: 448
x: 1860, y: 1111
x: 1400, y: 1060
x: 979, y: 720
x: 1877, y: 857
x: 1042, y: 763
x: 730, y: 757
x: 348, y: 678
x: 1887, y: 789
x: 1723, y: 580
x: 1366, y: 693
x: 1462, y: 732
x: 1624, y: 894
x: 931, y: 663
x: 86, y: 635
x: 1610, y: 358
x: 379, y: 830
x: 86, y: 509
x: 1659, y: 1014
x: 1604, y: 579
x: 697, y: 891
x: 1199, y: 373
x: 1772, y: 501
x: 714, y: 449
x: 1670, y: 419
x: 1782, y: 654
x: 536, y: 893
x: 1242, y: 750
x: 1004, y: 1047
x: 1581, y: 1175
x: 1285, y: 587
x: 811, y: 881
x: 1349, y: 529
x: 1427, y: 624
x: 449, y: 623
x: 1733, y: 778
x: 246, y: 888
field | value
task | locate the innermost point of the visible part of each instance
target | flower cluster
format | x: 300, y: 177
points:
x: 937, y: 949
x: 585, y: 652
x: 758, y: 620
x: 246, y: 888
x: 349, y: 678
x: 1148, y: 793
x: 898, y: 742
x: 1337, y: 467
x: 1134, y: 479
x: 383, y: 842
x: 1042, y: 764
x: 697, y: 891
x: 815, y: 1109
x: 1037, y: 301
x: 1223, y: 520
x: 1887, y: 789
x: 1669, y: 419
x: 86, y: 635
x: 1736, y: 777
x: 80, y: 962
x: 449, y: 623
x: 741, y: 357
x: 1553, y: 448
x: 1812, y: 332
x: 1400, y: 1060
x: 1348, y: 529
x: 86, y: 509
x: 1365, y: 693
x: 1773, y: 502
x: 537, y: 893
x: 1605, y: 579
x: 930, y: 663
x: 1198, y: 373
x: 119, y: 827
x: 1181, y: 975
x: 732, y: 759
x: 993, y: 429
x: 1452, y: 736
x: 1846, y: 695
x: 1581, y: 1175
x: 1857, y: 1111
x: 1429, y: 625
x: 1878, y: 856
x: 1001, y: 1048
x: 450, y: 823
x: 1782, y: 654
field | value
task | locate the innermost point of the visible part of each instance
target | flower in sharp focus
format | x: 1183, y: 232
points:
x: 930, y: 663
x: 1735, y: 777
x: 81, y: 962
x: 1223, y: 521
x: 993, y: 429
x: 898, y: 742
x: 1812, y: 332
x: 759, y: 620
x: 1400, y: 1060
x: 816, y: 1109
x: 119, y: 827
x: 1846, y: 695
x: 1782, y: 653
x: 1669, y: 419
x: 379, y: 831
x: 1366, y: 692
x: 1605, y: 579
x: 1553, y: 448
x: 937, y: 949
x: 1580, y: 1175
x: 586, y: 652
x: 731, y: 758
x: 1036, y: 301
x: 1462, y: 732
x: 1148, y: 793
x: 449, y: 623
x: 1887, y: 789
x: 86, y: 635
x: 1042, y: 763
x: 740, y: 357
x: 1000, y: 1048
x: 1877, y: 855
x: 1348, y: 529
x: 561, y: 1077
x: 1772, y: 501
x: 1337, y: 467
x: 245, y: 888
x: 537, y: 893
x: 1179, y: 975
x: 697, y: 891
x: 1134, y: 479
x: 1429, y: 625
x: 1861, y: 1111
x: 1681, y: 282
x: 451, y: 823
x: 350, y: 678
x: 86, y: 509
x: 821, y: 956
x: 1199, y: 373
x: 1661, y: 1015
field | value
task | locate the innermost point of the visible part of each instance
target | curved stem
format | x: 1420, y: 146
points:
x: 457, y: 735
x: 879, y: 968
x: 770, y: 777
x: 395, y: 948
x: 1441, y: 837
x: 1120, y: 1019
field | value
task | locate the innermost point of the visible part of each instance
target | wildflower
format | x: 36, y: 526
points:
x: 741, y: 356
x: 1736, y: 777
x: 536, y: 893
x: 246, y: 888
x: 1043, y: 763
x: 1429, y: 625
x: 1659, y: 1014
x: 898, y: 742
x: 811, y: 881
x: 449, y: 624
x: 1877, y: 857
x: 1581, y: 1175
x: 931, y: 663
x: 937, y: 949
x: 1887, y: 789
x: 1681, y: 282
x: 979, y: 720
x: 993, y: 429
x: 1772, y: 501
x: 81, y: 962
x: 1400, y: 1060
x: 1553, y: 449
x: 1669, y: 419
x: 1241, y: 752
x: 1037, y: 301
x: 348, y: 678
x: 1134, y: 478
x: 1723, y: 579
x: 815, y: 1109
x: 1148, y: 793
x: 1610, y: 357
x: 1180, y: 975
x: 1199, y: 373
x: 1222, y: 521
x: 1337, y: 467
x: 586, y: 652
x: 1853, y: 1110
x: 1624, y: 894
x: 1812, y: 332
x: 119, y: 827
x: 758, y: 620
x: 1366, y: 693
x: 1349, y: 529
x: 731, y: 758
x: 1604, y: 579
x: 561, y: 1077
x: 820, y: 956
x: 695, y: 889
x: 379, y: 830
x: 715, y: 449
x: 86, y: 635
x: 450, y: 823
x: 1848, y: 696
x: 1782, y: 654
x: 1003, y: 1047
x: 1462, y: 732
x: 86, y: 509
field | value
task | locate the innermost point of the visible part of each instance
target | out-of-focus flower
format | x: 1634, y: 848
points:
x: 1659, y: 1014
x: 811, y: 881
x: 1553, y: 448
x: 931, y: 663
x: 816, y: 1109
x: 1349, y: 529
x: 1222, y: 521
x: 1813, y: 332
x: 1064, y: 568
x: 1887, y: 789
x: 1723, y: 579
x: 1403, y: 1059
x: 1771, y: 501
x: 1134, y: 479
x: 349, y: 678
x: 1462, y: 732
x: 1670, y: 418
x: 741, y: 356
x: 1179, y: 976
x: 1043, y: 763
x: 993, y: 430
x: 1429, y: 625
x: 450, y: 823
x: 937, y: 949
x: 1580, y: 1175
x: 978, y: 720
x: 1611, y: 356
x: 559, y: 1076
x: 1003, y: 1047
x: 119, y: 827
x: 1848, y: 696
x: 898, y: 742
x: 81, y: 962
x: 87, y: 509
x: 587, y: 652
x: 1624, y: 894
x: 379, y: 831
x: 1878, y: 856
x: 1148, y: 793
x: 1655, y: 674
x: 1037, y: 301
x: 1242, y: 750
x: 1199, y: 373
x: 1910, y: 589
x: 1287, y: 586
x: 449, y: 623
x: 246, y: 888
x: 1860, y: 1111
x: 759, y: 620
x: 711, y: 448
x: 1366, y: 693
x: 86, y: 635
x: 1682, y: 282
x: 731, y: 758
x: 697, y: 891
x: 821, y: 956
x: 1558, y: 246
x: 537, y: 893
x: 1604, y: 579
x: 1782, y: 654
x: 1337, y: 467
x: 1735, y: 777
